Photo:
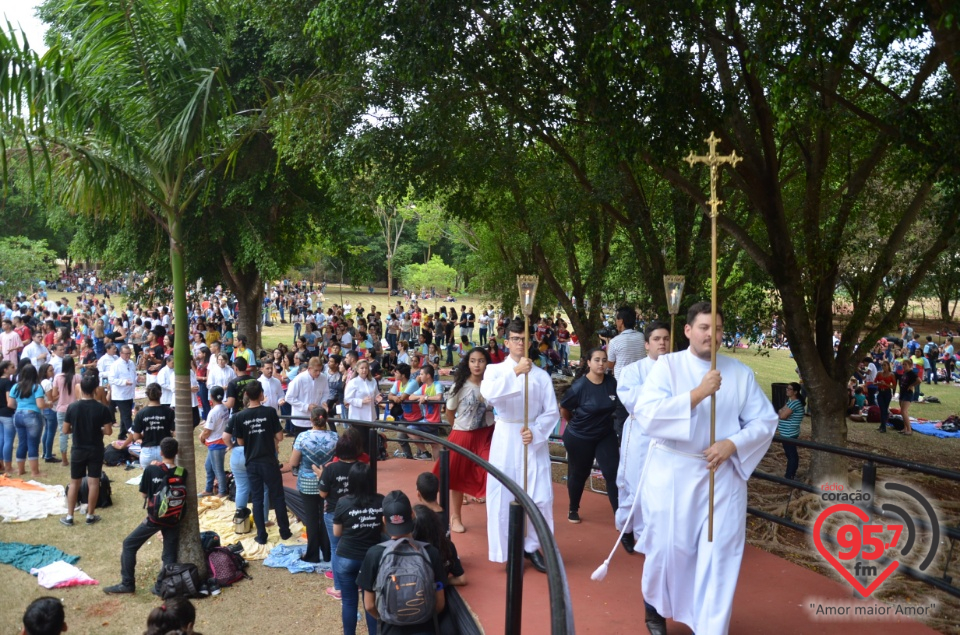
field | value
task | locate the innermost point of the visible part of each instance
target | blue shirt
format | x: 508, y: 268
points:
x: 30, y: 402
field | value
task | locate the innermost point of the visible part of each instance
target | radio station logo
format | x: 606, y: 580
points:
x: 861, y: 551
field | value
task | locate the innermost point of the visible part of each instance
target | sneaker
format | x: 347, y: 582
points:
x: 328, y: 575
x: 67, y: 520
x: 574, y: 517
x: 51, y: 459
x: 119, y: 588
x: 424, y: 456
x: 93, y: 520
x: 334, y: 593
x: 400, y: 454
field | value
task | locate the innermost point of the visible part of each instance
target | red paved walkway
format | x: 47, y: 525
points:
x: 772, y: 593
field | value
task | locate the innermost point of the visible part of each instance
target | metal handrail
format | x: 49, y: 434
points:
x: 561, y: 609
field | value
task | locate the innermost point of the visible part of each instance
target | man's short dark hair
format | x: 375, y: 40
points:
x: 242, y: 339
x: 627, y: 315
x: 44, y: 616
x: 240, y: 363
x: 403, y: 369
x: 700, y: 308
x: 89, y: 383
x: 428, y: 486
x: 656, y: 325
x: 516, y: 326
x: 430, y: 370
x: 169, y: 448
x: 154, y: 391
x: 253, y: 390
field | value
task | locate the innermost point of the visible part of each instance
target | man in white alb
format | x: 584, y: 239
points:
x: 307, y: 391
x: 685, y: 577
x: 634, y: 443
x: 272, y: 390
x: 502, y: 387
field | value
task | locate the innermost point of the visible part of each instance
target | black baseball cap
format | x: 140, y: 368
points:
x: 397, y: 513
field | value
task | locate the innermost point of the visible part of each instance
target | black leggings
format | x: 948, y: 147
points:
x: 580, y: 456
x: 318, y: 543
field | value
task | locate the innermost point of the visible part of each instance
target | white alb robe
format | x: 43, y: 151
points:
x: 685, y: 577
x: 354, y: 394
x: 633, y: 444
x: 503, y: 389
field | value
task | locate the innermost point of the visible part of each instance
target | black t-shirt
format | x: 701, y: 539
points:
x: 334, y: 482
x: 5, y: 385
x: 86, y: 417
x: 592, y: 406
x: 362, y: 526
x: 154, y: 424
x: 448, y: 332
x: 235, y: 389
x: 258, y: 427
x: 470, y: 319
x: 908, y: 379
x: 367, y: 580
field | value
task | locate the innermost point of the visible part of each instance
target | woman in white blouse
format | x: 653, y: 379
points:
x: 362, y: 394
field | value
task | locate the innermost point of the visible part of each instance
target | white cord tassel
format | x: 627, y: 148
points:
x: 601, y: 571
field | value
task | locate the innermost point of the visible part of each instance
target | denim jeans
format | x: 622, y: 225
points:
x: 483, y: 337
x: 793, y: 460
x: 297, y: 326
x: 64, y: 437
x: 264, y: 476
x: 334, y: 541
x: 204, y: 394
x: 7, y: 434
x: 347, y: 570
x: 215, y: 469
x: 29, y: 426
x: 240, y: 479
x: 149, y: 455
x: 49, y: 430
x: 136, y: 539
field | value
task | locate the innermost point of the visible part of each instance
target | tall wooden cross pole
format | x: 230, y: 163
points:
x: 713, y: 160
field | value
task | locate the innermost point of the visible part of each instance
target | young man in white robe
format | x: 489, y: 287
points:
x: 686, y: 577
x: 634, y: 443
x: 502, y: 387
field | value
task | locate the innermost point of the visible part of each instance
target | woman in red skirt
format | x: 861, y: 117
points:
x: 472, y: 423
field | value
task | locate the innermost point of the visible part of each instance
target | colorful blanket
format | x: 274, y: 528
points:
x: 31, y: 501
x: 26, y: 557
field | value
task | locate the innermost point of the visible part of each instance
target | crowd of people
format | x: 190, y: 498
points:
x: 625, y: 408
x: 46, y: 616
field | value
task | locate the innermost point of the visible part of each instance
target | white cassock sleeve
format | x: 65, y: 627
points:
x: 758, y: 423
x: 546, y: 421
x: 661, y: 413
x: 629, y: 385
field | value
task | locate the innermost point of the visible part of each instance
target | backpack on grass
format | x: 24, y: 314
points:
x: 104, y: 498
x: 165, y: 507
x: 226, y: 566
x: 179, y: 581
x: 405, y: 587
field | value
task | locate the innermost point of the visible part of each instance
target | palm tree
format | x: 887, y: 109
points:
x: 129, y: 112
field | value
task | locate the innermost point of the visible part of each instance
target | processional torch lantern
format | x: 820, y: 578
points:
x: 713, y: 160
x: 673, y: 286
x: 527, y: 286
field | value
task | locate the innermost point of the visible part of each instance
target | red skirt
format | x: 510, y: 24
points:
x: 466, y: 476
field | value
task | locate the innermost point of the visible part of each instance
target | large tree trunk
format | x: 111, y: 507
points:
x: 944, y: 307
x: 190, y: 548
x: 247, y: 284
x: 828, y: 405
x: 250, y: 316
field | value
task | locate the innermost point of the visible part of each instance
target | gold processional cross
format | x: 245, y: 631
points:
x: 713, y: 160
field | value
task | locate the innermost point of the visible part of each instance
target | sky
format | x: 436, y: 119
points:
x: 20, y: 14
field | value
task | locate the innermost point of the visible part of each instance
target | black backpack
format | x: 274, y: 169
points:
x: 933, y: 352
x: 104, y: 498
x: 179, y: 581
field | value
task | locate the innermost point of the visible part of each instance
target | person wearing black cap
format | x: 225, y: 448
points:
x: 398, y: 521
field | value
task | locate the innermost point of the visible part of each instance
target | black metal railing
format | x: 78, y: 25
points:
x: 561, y: 609
x: 870, y: 460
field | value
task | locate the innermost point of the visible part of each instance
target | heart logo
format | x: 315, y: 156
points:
x: 829, y: 557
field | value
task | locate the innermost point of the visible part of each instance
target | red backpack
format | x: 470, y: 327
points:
x: 165, y: 507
